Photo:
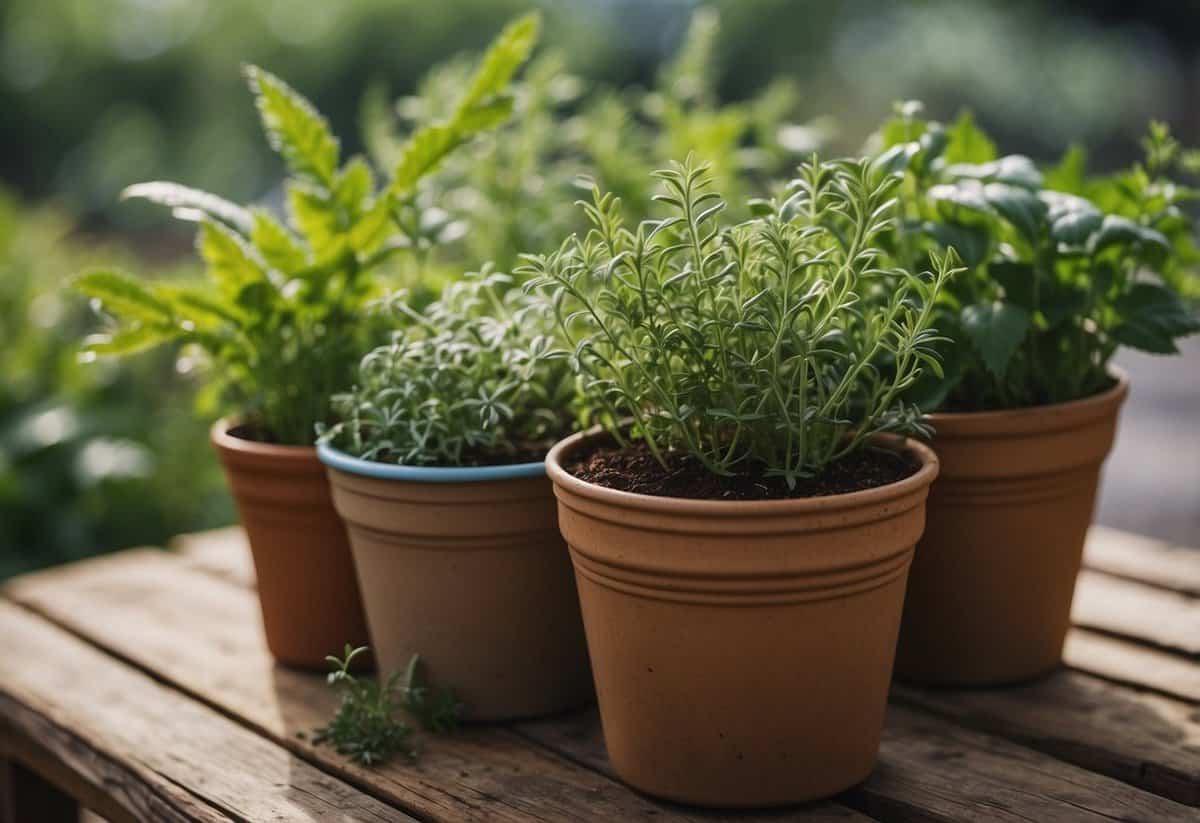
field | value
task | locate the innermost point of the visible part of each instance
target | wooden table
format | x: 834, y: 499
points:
x: 137, y: 685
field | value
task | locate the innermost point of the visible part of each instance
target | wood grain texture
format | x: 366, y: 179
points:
x: 1143, y: 739
x: 1145, y: 614
x: 162, y: 755
x: 202, y: 635
x: 1133, y: 664
x: 221, y: 552
x: 1143, y: 559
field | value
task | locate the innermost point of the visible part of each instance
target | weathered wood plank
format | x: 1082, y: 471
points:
x: 162, y: 755
x: 1142, y: 613
x: 931, y: 770
x: 203, y: 635
x: 223, y: 552
x: 26, y: 796
x: 1132, y: 663
x: 1142, y: 739
x: 1143, y: 559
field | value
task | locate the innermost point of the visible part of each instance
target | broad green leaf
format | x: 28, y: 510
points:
x: 967, y: 143
x: 1072, y: 219
x: 275, y: 243
x: 123, y: 296
x: 1117, y: 231
x: 190, y: 204
x: 972, y: 242
x: 294, y: 127
x: 507, y: 53
x: 963, y: 201
x: 996, y: 330
x: 1152, y: 317
x: 1059, y: 303
x: 1019, y: 206
x: 230, y: 262
x: 130, y: 340
x: 1070, y: 175
x: 1017, y: 278
x: 1014, y: 169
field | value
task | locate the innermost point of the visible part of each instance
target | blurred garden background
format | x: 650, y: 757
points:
x: 98, y: 94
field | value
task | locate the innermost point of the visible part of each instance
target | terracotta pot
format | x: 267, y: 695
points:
x: 306, y: 584
x: 742, y: 650
x: 989, y: 598
x: 466, y: 568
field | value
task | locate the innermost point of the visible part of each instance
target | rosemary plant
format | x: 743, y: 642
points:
x: 281, y: 318
x: 745, y: 343
x: 472, y: 379
x: 1062, y: 268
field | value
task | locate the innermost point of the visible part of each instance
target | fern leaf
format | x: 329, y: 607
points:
x: 294, y: 127
x: 421, y: 155
x: 130, y: 340
x: 231, y: 264
x: 123, y: 296
x: 353, y: 188
x: 190, y: 204
x: 313, y: 216
x: 199, y: 307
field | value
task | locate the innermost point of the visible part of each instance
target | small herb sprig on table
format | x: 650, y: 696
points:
x: 367, y: 727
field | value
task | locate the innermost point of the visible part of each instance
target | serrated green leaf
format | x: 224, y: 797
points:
x: 123, y: 296
x: 231, y: 264
x: 353, y: 188
x: 294, y: 127
x: 130, y: 340
x: 190, y: 204
x: 421, y: 155
x: 996, y: 330
x: 313, y: 215
x: 487, y: 116
x: 507, y: 53
x: 275, y: 243
x: 967, y: 143
x: 199, y: 307
x: 1152, y: 317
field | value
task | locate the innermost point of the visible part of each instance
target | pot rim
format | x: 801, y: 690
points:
x: 923, y: 477
x: 223, y: 439
x: 337, y: 459
x: 1033, y: 419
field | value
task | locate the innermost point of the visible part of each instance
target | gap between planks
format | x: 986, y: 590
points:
x: 152, y: 597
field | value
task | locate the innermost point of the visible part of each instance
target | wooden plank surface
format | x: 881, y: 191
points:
x: 198, y: 632
x: 222, y: 552
x: 1132, y: 664
x: 166, y: 757
x: 202, y: 635
x: 1142, y: 739
x: 1143, y: 559
x: 1145, y: 614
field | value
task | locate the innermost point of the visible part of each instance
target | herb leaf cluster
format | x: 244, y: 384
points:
x: 472, y: 379
x: 746, y: 343
x: 280, y: 315
x: 1062, y: 268
x: 369, y: 727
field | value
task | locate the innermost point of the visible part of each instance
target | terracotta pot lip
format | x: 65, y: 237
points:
x: 222, y: 439
x: 339, y: 460
x: 1032, y: 419
x: 680, y: 506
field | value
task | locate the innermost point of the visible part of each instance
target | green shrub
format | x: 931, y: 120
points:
x: 743, y: 343
x: 1062, y: 268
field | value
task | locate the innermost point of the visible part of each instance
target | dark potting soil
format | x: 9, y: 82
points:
x: 634, y: 469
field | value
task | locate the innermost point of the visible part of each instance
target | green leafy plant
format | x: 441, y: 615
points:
x: 745, y: 343
x: 1062, y: 268
x: 282, y: 317
x: 367, y: 727
x: 471, y: 379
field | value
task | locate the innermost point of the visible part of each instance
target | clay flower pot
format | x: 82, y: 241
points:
x: 306, y: 584
x: 742, y: 650
x: 465, y: 566
x: 989, y: 597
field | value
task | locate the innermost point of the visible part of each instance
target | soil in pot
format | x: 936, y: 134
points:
x: 742, y: 650
x: 474, y: 577
x: 989, y: 598
x: 306, y: 583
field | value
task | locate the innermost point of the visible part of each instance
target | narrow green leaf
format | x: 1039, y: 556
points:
x: 123, y: 296
x: 130, y: 340
x: 507, y: 53
x: 1070, y: 175
x: 294, y: 127
x: 967, y: 143
x: 996, y: 330
x: 190, y: 204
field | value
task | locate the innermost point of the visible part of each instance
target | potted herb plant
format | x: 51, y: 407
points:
x: 1062, y: 269
x: 281, y: 319
x: 742, y: 523
x: 437, y: 467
